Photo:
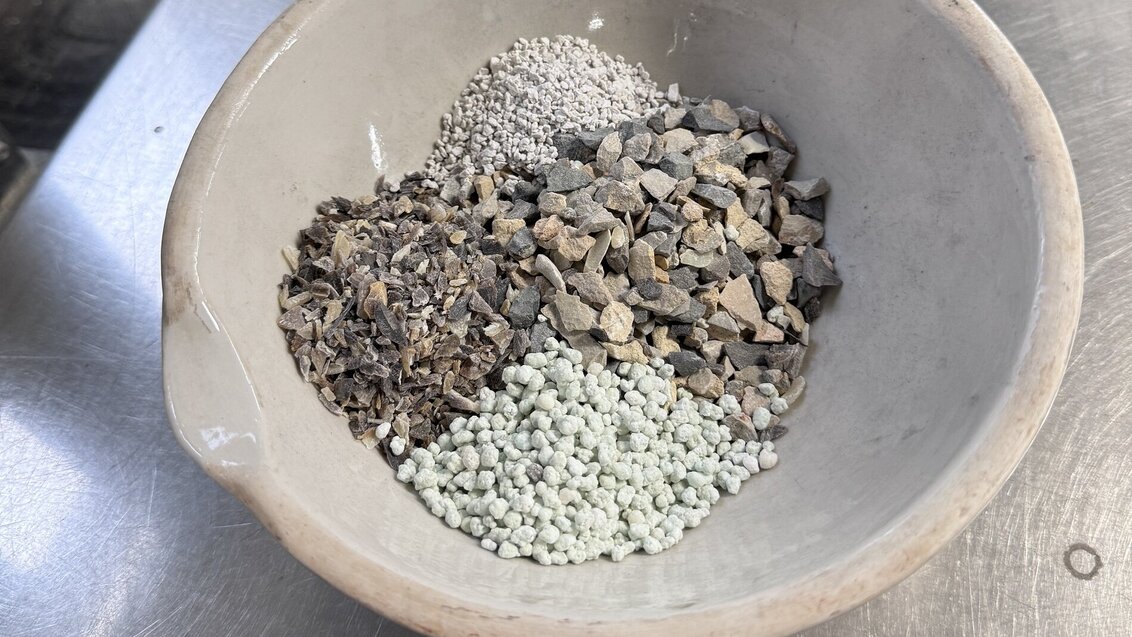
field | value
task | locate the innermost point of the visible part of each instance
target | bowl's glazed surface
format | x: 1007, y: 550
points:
x: 953, y: 216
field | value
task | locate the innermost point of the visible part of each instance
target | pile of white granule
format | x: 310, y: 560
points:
x: 567, y: 464
x: 512, y: 108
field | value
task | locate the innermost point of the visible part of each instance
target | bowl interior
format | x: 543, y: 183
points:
x: 932, y: 221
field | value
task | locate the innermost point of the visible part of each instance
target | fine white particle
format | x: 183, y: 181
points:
x: 566, y: 480
x: 512, y: 108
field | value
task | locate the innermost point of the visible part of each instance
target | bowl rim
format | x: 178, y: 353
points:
x: 929, y: 524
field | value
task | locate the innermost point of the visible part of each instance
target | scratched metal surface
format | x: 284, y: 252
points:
x: 108, y: 528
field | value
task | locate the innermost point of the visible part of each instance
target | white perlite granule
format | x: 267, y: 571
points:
x: 510, y: 111
x: 567, y: 464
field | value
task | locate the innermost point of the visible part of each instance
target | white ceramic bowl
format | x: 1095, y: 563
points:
x: 954, y: 216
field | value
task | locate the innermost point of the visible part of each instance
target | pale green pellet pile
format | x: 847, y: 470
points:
x: 567, y: 464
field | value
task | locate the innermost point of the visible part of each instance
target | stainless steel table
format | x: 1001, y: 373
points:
x: 108, y: 528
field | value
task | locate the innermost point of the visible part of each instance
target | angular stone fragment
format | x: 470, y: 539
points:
x: 673, y: 116
x: 806, y: 190
x: 571, y: 147
x: 776, y: 377
x: 484, y: 186
x: 649, y: 289
x: 702, y: 237
x: 738, y: 298
x: 631, y: 127
x: 712, y: 115
x: 617, y: 259
x: 642, y: 262
x: 573, y: 246
x: 521, y: 210
x: 741, y: 427
x: 696, y: 337
x: 694, y: 313
x: 754, y: 143
x: 637, y: 147
x: 672, y: 300
x: 590, y: 287
x: 722, y: 327
x: 749, y: 118
x: 710, y: 298
x: 767, y: 332
x: 546, y: 231
x: 781, y: 206
x: 749, y: 375
x: 732, y: 155
x: 774, y: 130
x: 797, y: 321
x: 803, y: 292
x: 593, y: 139
x: 678, y: 141
x: 686, y: 363
x: 616, y: 321
x: 798, y: 230
x: 620, y: 197
x: 592, y: 351
x: 777, y: 279
x: 575, y: 315
x: 744, y: 355
x: 656, y: 149
x: 705, y: 383
x: 683, y: 188
x: 816, y: 271
x: 617, y: 284
x: 778, y: 161
x: 712, y: 351
x: 626, y: 170
x: 756, y: 203
x: 717, y: 196
x: 691, y: 211
x: 697, y: 259
x: 597, y: 222
x: 526, y: 190
x: 450, y: 191
x: 524, y: 308
x: 551, y: 203
x: 608, y: 152
x: 664, y: 218
x: 717, y: 269
x: 540, y: 331
x: 684, y: 278
x: 676, y: 166
x: 717, y: 173
x: 504, y: 229
x: 787, y: 357
x: 814, y: 209
x: 522, y: 245
x: 565, y: 175
x: 631, y: 352
x: 812, y: 309
x: 738, y: 262
x: 663, y: 342
x: 657, y: 183
x: 794, y: 391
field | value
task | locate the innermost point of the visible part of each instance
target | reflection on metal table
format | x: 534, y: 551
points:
x: 108, y: 528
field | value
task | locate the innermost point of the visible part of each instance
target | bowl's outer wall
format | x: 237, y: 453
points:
x: 934, y: 219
